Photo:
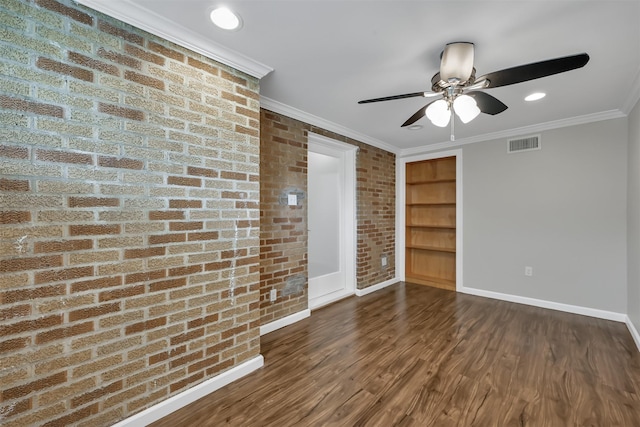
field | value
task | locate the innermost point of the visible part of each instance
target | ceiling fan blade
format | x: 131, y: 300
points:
x: 406, y: 95
x: 535, y: 70
x: 486, y: 103
x: 417, y: 115
x: 457, y: 62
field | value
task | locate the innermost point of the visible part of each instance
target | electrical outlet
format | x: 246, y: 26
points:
x: 528, y: 271
x: 383, y: 260
x: 273, y: 295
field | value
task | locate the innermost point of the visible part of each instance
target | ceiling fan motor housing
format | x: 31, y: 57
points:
x: 456, y: 64
x: 437, y: 83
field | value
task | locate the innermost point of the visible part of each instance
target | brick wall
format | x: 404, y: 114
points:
x: 283, y: 229
x: 129, y: 221
x: 376, y: 189
x: 283, y: 234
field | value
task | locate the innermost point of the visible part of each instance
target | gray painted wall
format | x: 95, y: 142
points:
x: 633, y: 219
x: 561, y: 210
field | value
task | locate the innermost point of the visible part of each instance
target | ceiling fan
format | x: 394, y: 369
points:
x: 461, y: 92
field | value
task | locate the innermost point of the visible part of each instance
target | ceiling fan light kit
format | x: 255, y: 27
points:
x: 466, y: 108
x: 463, y: 94
x: 438, y: 112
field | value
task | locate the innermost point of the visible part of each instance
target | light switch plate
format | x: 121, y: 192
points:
x: 293, y: 200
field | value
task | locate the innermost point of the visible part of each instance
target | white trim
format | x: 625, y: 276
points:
x: 573, y: 121
x: 401, y: 166
x: 332, y: 143
x: 294, y: 113
x: 459, y: 222
x: 400, y: 212
x: 633, y: 331
x: 188, y: 396
x: 329, y: 299
x: 145, y: 19
x: 575, y: 309
x: 323, y: 145
x: 285, y: 321
x: 371, y: 289
x: 634, y: 95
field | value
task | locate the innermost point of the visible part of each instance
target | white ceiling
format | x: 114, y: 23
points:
x: 327, y: 55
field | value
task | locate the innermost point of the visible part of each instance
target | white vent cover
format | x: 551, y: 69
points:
x: 525, y: 143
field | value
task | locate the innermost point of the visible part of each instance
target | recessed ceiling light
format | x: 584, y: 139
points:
x: 225, y: 19
x: 414, y: 127
x: 535, y: 96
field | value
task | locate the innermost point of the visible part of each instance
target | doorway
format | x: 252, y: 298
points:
x: 430, y: 239
x: 331, y: 219
x: 430, y: 224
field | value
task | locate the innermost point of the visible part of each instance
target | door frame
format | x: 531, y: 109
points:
x: 401, y: 179
x: 347, y: 152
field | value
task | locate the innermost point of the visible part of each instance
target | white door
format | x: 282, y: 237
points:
x: 331, y: 220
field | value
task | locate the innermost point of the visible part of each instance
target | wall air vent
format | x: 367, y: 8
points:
x: 526, y: 143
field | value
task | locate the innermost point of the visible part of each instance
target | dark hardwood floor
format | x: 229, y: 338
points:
x: 410, y: 355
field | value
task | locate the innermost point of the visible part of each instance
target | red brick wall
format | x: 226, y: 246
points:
x: 283, y: 229
x: 283, y: 232
x: 376, y: 188
x: 129, y: 220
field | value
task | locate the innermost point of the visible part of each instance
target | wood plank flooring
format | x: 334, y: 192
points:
x: 411, y: 355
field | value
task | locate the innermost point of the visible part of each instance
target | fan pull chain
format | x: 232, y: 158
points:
x: 453, y: 127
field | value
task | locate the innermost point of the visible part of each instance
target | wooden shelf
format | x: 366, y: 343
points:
x: 432, y: 204
x: 431, y: 181
x: 450, y: 227
x: 430, y: 220
x: 441, y: 193
x: 436, y: 282
x: 431, y: 248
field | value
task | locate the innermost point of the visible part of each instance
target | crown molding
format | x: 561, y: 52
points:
x: 634, y: 95
x: 133, y: 14
x: 147, y: 20
x: 294, y: 113
x: 573, y: 121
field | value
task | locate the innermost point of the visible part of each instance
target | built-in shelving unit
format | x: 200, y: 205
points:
x: 431, y: 223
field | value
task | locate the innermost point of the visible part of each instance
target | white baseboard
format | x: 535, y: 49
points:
x: 575, y: 309
x: 633, y: 331
x: 285, y: 321
x: 323, y: 300
x: 296, y: 317
x: 196, y: 392
x: 365, y: 291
